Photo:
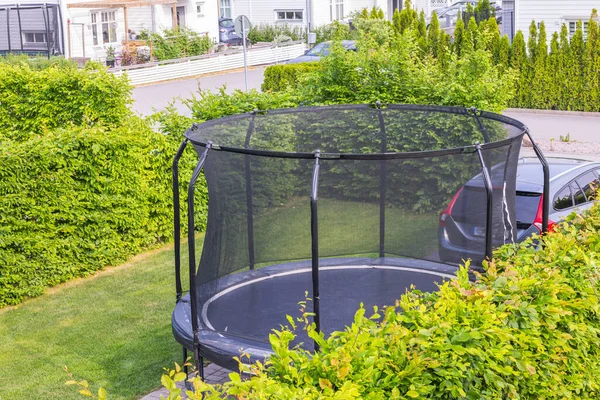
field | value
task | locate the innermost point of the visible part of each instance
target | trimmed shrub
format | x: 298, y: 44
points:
x: 37, y: 63
x: 269, y: 33
x: 78, y: 199
x: 34, y: 101
x: 286, y: 76
x: 177, y: 43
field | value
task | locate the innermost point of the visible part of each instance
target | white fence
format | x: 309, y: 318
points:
x: 429, y: 6
x: 173, y: 69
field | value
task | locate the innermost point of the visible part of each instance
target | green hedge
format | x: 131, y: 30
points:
x: 177, y: 43
x: 78, y: 199
x: 286, y: 76
x: 528, y: 329
x: 34, y: 101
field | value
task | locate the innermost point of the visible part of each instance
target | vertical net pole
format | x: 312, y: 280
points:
x: 177, y: 220
x: 314, y: 233
x: 46, y: 24
x: 546, y: 190
x: 249, y: 206
x: 8, y: 27
x: 20, y: 28
x: 487, y: 181
x: 382, y: 183
x: 192, y: 261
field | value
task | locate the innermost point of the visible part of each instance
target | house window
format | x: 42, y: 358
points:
x: 200, y: 9
x: 35, y: 38
x: 572, y: 25
x: 336, y: 9
x: 289, y: 15
x: 104, y: 27
x: 226, y: 9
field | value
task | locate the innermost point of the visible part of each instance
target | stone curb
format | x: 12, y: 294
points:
x: 553, y: 112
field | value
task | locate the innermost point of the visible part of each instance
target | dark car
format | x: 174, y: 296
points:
x: 227, y: 32
x: 321, y: 50
x: 573, y: 183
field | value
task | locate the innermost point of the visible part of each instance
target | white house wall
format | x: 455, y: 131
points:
x: 553, y: 12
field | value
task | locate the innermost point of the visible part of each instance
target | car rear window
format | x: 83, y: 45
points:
x: 526, y: 205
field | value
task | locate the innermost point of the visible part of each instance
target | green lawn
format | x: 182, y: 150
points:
x: 113, y: 329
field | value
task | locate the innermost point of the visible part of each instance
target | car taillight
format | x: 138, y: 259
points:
x: 537, y: 222
x: 448, y: 211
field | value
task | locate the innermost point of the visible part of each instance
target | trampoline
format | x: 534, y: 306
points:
x: 341, y: 204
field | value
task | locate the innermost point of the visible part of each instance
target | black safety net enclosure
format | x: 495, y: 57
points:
x: 341, y: 204
x: 33, y: 29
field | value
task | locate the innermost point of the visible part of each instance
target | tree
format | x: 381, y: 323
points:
x: 554, y: 72
x: 532, y: 42
x: 504, y: 52
x: 483, y: 10
x: 518, y: 61
x: 471, y: 37
x: 459, y: 36
x: 539, y: 77
x: 434, y: 35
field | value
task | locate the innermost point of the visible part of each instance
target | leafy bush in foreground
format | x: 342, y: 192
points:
x: 286, y: 76
x: 528, y: 329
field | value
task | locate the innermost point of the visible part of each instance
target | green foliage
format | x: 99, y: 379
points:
x: 77, y: 199
x: 333, y: 31
x: 37, y: 100
x: 286, y: 76
x: 527, y: 329
x: 270, y: 32
x: 178, y: 43
x: 37, y: 63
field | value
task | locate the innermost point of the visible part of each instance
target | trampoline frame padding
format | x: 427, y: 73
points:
x: 220, y: 346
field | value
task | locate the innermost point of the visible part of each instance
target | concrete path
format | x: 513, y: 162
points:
x: 151, y: 98
x: 583, y: 127
x: 212, y: 374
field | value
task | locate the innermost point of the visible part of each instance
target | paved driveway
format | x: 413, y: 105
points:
x: 543, y: 125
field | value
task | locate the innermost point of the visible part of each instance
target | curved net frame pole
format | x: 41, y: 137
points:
x: 177, y: 219
x: 314, y: 233
x: 382, y: 183
x: 546, y: 170
x: 249, y: 207
x: 192, y: 253
x: 177, y: 232
x: 475, y: 112
x: 487, y: 181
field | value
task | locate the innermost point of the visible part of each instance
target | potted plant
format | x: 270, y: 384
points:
x: 110, y: 56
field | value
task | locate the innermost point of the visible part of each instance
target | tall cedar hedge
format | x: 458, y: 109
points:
x: 564, y: 75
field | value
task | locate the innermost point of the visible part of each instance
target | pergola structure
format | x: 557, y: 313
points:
x: 124, y: 4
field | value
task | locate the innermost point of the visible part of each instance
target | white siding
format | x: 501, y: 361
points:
x: 264, y: 11
x: 553, y: 12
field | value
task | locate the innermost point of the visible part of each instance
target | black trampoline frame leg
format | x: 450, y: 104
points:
x: 198, y: 359
x: 314, y: 233
x: 487, y: 181
x: 546, y: 190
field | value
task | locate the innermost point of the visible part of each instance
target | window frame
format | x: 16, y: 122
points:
x: 285, y: 11
x: 200, y: 12
x: 335, y: 6
x: 35, y: 43
x: 97, y: 30
x: 223, y: 7
x: 572, y: 184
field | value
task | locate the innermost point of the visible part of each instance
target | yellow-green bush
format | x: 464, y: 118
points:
x: 33, y: 101
x: 286, y: 76
x: 528, y: 329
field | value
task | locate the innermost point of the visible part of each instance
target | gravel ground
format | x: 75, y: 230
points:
x: 574, y: 149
